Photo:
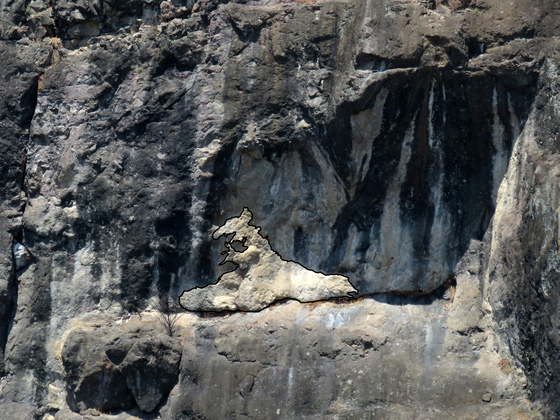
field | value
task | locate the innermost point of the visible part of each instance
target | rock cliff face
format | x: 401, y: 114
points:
x: 408, y: 145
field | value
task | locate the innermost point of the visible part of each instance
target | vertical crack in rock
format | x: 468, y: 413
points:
x: 33, y: 95
x: 17, y: 251
x: 24, y: 341
x: 40, y: 313
x: 22, y: 315
x: 8, y: 309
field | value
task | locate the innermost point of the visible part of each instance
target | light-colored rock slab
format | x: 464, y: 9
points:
x: 261, y: 276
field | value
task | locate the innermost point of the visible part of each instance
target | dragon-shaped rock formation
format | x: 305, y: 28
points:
x: 261, y: 276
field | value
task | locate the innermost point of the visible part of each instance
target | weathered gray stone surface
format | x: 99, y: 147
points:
x: 403, y: 144
x: 260, y: 276
x: 381, y: 357
x: 108, y: 367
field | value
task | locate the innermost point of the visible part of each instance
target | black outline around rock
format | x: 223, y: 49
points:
x: 350, y: 295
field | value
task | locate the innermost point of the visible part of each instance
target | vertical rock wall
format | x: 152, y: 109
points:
x: 523, y: 264
x: 369, y: 139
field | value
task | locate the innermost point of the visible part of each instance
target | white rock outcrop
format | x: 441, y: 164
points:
x: 261, y: 276
x: 21, y: 256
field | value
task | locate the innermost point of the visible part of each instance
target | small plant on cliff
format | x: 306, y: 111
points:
x: 505, y: 365
x: 165, y: 316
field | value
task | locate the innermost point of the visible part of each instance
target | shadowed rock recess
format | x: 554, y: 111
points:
x: 409, y: 148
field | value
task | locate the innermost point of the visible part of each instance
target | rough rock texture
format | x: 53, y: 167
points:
x: 363, y: 358
x: 523, y: 266
x: 260, y: 276
x: 405, y: 144
x: 108, y: 368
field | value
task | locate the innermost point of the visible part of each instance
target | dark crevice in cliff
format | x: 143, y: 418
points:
x: 28, y: 104
x: 40, y: 313
x: 7, y: 318
x: 371, y: 62
x: 213, y: 201
x: 475, y: 47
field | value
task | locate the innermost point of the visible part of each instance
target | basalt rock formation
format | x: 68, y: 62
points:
x: 410, y: 146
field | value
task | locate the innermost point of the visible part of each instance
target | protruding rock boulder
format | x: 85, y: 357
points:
x: 151, y: 368
x: 261, y: 276
x: 114, y: 367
